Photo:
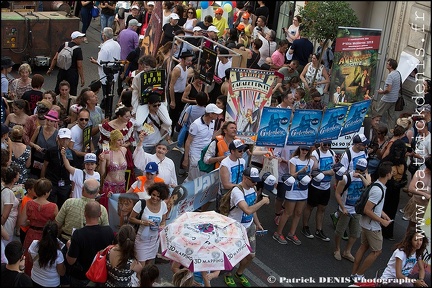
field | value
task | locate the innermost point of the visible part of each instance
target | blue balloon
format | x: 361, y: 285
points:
x: 204, y: 4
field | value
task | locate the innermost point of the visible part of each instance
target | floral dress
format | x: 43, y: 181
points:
x: 310, y: 73
x: 21, y: 162
x: 119, y: 277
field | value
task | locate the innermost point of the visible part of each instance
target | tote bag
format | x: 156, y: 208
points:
x: 98, y: 271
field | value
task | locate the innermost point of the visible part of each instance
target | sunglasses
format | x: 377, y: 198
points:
x: 156, y: 105
x: 190, y: 12
x: 84, y: 119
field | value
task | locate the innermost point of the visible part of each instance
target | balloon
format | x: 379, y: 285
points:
x: 198, y: 12
x: 234, y: 4
x: 204, y: 5
x: 227, y: 7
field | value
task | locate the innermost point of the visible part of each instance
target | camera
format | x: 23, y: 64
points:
x: 259, y: 29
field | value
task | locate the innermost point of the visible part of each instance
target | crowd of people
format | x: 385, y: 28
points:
x: 63, y: 155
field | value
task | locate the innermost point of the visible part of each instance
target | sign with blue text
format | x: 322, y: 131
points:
x: 273, y: 128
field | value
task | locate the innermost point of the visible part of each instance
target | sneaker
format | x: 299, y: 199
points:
x: 320, y: 234
x: 279, y: 238
x: 294, y: 239
x: 306, y: 232
x: 243, y: 280
x: 334, y: 219
x: 402, y: 211
x: 345, y: 236
x: 405, y: 218
x: 229, y: 281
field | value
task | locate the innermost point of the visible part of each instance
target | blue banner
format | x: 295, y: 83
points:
x: 331, y: 124
x: 355, y: 117
x: 273, y: 127
x: 304, y: 127
x: 186, y: 197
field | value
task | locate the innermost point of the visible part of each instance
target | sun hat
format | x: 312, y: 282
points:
x: 52, y: 115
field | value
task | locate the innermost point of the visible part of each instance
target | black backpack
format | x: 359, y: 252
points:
x: 364, y: 197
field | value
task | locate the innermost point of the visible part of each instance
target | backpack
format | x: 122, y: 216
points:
x: 364, y: 197
x: 204, y: 167
x: 143, y: 205
x: 64, y: 57
x: 224, y: 205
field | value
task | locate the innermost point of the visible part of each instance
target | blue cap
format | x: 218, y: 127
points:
x: 152, y: 168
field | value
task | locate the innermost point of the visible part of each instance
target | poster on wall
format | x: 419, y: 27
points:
x: 355, y: 117
x: 249, y: 93
x: 355, y: 63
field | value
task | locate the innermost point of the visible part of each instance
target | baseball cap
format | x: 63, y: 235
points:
x: 339, y: 170
x: 237, y: 144
x: 252, y: 173
x: 269, y: 182
x: 304, y: 182
x: 186, y: 54
x: 361, y: 164
x: 245, y: 15
x: 360, y: 139
x: 5, y: 129
x: 219, y: 11
x: 212, y: 29
x: 174, y: 16
x: 197, y: 28
x: 164, y: 143
x: 64, y: 133
x: 240, y: 27
x: 317, y: 177
x: 90, y: 158
x: 52, y: 115
x: 135, y: 7
x: 77, y: 34
x: 152, y: 168
x: 304, y: 147
x: 134, y: 22
x: 150, y: 3
x: 288, y: 181
x: 212, y: 108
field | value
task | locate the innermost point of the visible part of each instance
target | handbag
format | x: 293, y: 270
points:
x: 98, y: 271
x: 95, y: 12
x: 270, y: 165
x: 400, y: 103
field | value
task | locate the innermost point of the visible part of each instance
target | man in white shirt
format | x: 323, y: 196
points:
x: 77, y: 132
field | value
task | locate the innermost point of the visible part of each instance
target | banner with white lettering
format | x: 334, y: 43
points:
x: 355, y: 117
x: 304, y: 127
x: 273, y: 128
x: 249, y: 93
x: 331, y: 124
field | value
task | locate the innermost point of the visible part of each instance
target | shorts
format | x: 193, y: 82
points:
x: 318, y: 197
x: 373, y: 238
x: 352, y: 221
x: 281, y: 189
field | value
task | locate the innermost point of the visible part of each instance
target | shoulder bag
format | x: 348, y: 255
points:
x: 98, y: 271
x: 400, y: 103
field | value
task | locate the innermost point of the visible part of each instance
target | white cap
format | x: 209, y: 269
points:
x: 212, y: 29
x: 339, y: 173
x: 317, y: 179
x: 150, y: 3
x: 270, y: 182
x: 212, y: 108
x: 135, y: 7
x: 77, y: 34
x: 174, y: 16
x: 197, y: 28
x: 64, y: 133
x: 304, y: 182
x: 90, y: 158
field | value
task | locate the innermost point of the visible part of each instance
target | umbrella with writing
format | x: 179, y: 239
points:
x: 204, y: 241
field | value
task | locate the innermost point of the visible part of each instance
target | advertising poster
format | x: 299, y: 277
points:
x: 249, y: 93
x: 331, y: 124
x: 207, y: 65
x: 304, y: 127
x: 87, y: 138
x: 273, y: 127
x: 355, y: 117
x: 355, y: 63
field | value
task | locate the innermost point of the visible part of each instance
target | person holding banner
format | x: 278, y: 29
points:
x: 80, y: 145
x: 295, y: 199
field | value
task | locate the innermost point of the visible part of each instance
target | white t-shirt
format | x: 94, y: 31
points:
x: 325, y: 161
x: 202, y: 133
x: 47, y: 276
x: 355, y: 156
x: 235, y: 169
x: 352, y: 194
x: 408, y: 264
x: 78, y: 179
x: 8, y: 197
x: 77, y: 137
x: 296, y: 193
x: 149, y: 231
x: 237, y: 214
x: 375, y: 196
